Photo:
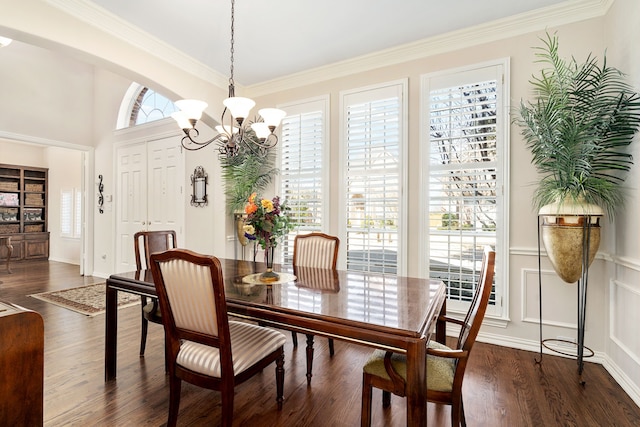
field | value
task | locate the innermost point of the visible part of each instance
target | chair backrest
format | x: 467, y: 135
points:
x: 317, y: 250
x: 190, y: 290
x: 475, y: 315
x: 152, y: 241
x: 317, y: 279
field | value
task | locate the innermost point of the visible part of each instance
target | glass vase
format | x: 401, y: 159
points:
x: 269, y: 276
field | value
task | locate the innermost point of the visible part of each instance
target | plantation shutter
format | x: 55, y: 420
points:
x: 465, y: 176
x: 301, y: 169
x: 373, y: 134
x: 77, y: 221
x: 66, y: 213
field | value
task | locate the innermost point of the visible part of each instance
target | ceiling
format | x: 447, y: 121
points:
x: 276, y: 38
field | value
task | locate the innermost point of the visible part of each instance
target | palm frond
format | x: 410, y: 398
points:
x: 577, y: 127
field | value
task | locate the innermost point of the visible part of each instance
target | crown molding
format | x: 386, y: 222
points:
x: 105, y: 21
x: 564, y: 13
x: 561, y: 14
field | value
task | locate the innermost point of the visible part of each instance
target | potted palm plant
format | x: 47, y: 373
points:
x: 577, y: 126
x: 245, y: 173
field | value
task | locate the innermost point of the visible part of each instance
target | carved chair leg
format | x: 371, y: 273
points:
x: 280, y: 380
x: 294, y: 338
x: 175, y: 384
x: 331, y: 350
x: 309, y: 358
x: 145, y: 327
x: 365, y: 415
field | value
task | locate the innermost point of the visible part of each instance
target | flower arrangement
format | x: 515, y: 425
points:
x: 267, y: 221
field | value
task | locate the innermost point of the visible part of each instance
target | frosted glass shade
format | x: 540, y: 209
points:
x: 272, y: 116
x: 261, y: 129
x: 182, y: 119
x: 192, y: 108
x: 239, y: 106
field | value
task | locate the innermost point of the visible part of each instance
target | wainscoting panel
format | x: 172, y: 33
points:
x: 555, y: 294
x: 624, y: 318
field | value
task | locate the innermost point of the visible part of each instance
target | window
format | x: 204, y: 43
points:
x: 71, y: 213
x: 372, y: 142
x: 303, y: 169
x: 142, y: 105
x: 150, y: 106
x: 465, y: 151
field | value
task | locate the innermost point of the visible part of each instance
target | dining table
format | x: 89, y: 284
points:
x: 384, y: 311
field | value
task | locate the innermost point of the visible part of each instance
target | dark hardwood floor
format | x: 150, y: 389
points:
x: 503, y: 386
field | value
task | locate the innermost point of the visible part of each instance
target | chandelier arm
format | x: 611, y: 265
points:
x: 189, y: 143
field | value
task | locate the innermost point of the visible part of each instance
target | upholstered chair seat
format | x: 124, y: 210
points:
x: 440, y: 371
x: 249, y: 343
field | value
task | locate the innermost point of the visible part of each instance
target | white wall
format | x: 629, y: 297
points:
x: 65, y: 173
x: 622, y: 292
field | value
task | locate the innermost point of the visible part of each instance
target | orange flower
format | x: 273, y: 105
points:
x: 252, y: 198
x: 250, y: 208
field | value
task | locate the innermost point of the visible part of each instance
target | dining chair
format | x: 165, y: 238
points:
x: 149, y: 242
x: 204, y: 347
x: 317, y: 250
x: 445, y: 366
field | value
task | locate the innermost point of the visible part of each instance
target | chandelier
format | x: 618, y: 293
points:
x: 239, y: 133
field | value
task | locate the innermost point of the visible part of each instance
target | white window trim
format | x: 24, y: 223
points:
x: 403, y: 172
x: 499, y: 312
x: 300, y: 107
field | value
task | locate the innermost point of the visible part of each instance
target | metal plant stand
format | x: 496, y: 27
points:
x: 582, y: 351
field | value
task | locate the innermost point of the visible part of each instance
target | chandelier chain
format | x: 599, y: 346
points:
x: 231, y: 82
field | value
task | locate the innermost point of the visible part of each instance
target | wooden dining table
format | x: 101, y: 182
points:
x: 382, y: 311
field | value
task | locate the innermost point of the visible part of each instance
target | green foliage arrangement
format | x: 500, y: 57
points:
x: 248, y: 172
x: 577, y: 127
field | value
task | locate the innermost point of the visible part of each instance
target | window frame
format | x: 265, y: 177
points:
x: 401, y: 86
x: 501, y: 67
x: 308, y: 105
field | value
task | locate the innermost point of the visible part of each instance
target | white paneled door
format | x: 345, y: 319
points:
x: 150, y: 180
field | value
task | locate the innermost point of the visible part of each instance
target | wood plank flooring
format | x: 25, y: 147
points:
x: 503, y: 386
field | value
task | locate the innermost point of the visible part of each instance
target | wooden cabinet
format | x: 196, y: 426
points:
x: 23, y: 211
x: 21, y: 366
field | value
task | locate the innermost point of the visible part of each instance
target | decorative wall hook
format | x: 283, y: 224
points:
x: 100, y: 195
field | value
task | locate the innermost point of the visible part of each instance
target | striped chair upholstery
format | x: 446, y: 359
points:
x: 318, y: 251
x: 315, y: 250
x: 146, y: 243
x: 203, y: 347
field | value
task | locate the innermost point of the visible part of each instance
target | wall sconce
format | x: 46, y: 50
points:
x: 199, y: 187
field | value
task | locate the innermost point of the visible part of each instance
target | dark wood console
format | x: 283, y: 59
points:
x: 21, y: 366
